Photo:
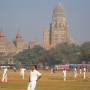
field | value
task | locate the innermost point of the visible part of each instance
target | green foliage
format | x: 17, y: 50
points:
x: 67, y: 53
x: 30, y: 56
x: 62, y: 54
x: 85, y: 51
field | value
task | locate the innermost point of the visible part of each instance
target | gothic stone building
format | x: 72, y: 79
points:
x: 58, y: 30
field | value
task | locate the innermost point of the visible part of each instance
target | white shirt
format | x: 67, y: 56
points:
x: 84, y: 69
x: 34, y: 75
x: 5, y: 70
x: 22, y: 70
x: 64, y: 72
x: 80, y: 71
x: 75, y: 70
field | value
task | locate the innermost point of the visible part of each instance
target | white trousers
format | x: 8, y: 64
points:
x: 4, y: 77
x: 84, y: 75
x: 75, y: 75
x: 65, y: 77
x: 31, y: 85
x: 22, y: 76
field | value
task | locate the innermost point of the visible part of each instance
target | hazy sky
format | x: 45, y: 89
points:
x: 30, y: 17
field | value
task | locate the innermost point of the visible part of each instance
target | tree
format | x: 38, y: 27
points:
x: 85, y: 52
x: 69, y: 53
x: 61, y: 54
x: 31, y: 56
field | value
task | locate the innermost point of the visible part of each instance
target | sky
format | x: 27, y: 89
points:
x: 30, y: 17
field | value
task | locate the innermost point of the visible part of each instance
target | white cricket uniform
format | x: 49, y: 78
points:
x: 64, y: 75
x: 33, y: 78
x: 4, y: 77
x: 22, y: 70
x: 80, y: 71
x: 51, y: 70
x: 84, y: 73
x: 75, y: 73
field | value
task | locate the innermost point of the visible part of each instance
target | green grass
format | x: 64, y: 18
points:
x: 47, y: 82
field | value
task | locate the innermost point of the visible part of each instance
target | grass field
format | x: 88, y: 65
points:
x: 47, y: 82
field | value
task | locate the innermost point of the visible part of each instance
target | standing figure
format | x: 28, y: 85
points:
x: 80, y: 70
x: 14, y: 69
x: 22, y: 70
x: 84, y: 73
x: 4, y: 77
x: 52, y: 70
x: 75, y: 73
x: 64, y: 74
x: 33, y: 78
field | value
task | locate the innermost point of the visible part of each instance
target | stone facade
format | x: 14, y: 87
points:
x: 58, y: 31
x: 58, y: 26
x: 46, y: 39
x: 20, y: 43
x: 7, y: 49
x: 33, y: 43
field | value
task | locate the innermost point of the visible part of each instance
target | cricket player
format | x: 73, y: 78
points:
x: 4, y: 77
x: 84, y: 73
x: 75, y: 73
x: 64, y: 74
x: 22, y: 70
x: 52, y: 70
x: 33, y: 78
x: 80, y: 71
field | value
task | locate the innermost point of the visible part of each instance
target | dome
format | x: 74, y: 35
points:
x: 6, y: 46
x: 1, y: 34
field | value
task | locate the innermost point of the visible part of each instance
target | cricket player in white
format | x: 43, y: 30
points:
x: 84, y: 73
x: 22, y: 70
x: 33, y: 78
x: 4, y: 77
x: 75, y: 73
x: 64, y: 74
x: 80, y: 71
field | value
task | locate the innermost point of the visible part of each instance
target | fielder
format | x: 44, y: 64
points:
x: 64, y: 74
x: 4, y: 77
x: 84, y: 73
x: 80, y: 71
x: 52, y: 70
x: 33, y: 78
x: 22, y: 70
x: 75, y: 73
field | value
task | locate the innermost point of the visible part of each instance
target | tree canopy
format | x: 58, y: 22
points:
x: 62, y: 54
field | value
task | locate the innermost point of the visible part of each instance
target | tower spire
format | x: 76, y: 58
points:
x: 59, y: 3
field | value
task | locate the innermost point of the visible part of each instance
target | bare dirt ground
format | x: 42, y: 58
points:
x: 47, y: 82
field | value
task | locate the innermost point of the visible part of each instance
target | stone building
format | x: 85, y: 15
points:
x: 7, y: 49
x: 32, y: 44
x: 58, y: 29
x: 46, y: 39
x: 20, y: 43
